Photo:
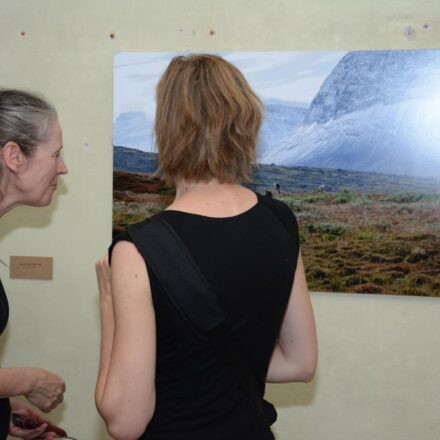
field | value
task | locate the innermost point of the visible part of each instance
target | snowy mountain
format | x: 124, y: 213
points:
x: 376, y: 111
x: 133, y: 130
x: 280, y: 119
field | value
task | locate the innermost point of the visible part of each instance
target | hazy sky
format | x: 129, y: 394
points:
x: 288, y: 76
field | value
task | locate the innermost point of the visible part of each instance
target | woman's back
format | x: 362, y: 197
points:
x: 156, y: 379
x: 249, y: 259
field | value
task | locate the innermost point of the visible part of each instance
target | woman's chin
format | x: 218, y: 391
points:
x: 41, y: 202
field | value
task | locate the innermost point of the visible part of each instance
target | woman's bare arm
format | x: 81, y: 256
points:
x: 295, y: 356
x: 103, y: 276
x: 126, y: 394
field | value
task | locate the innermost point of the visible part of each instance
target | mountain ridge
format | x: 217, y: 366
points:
x: 295, y: 179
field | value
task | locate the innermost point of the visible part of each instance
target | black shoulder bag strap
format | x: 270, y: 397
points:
x: 193, y: 297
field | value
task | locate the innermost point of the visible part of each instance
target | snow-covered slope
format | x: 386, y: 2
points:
x: 377, y: 111
x: 280, y: 119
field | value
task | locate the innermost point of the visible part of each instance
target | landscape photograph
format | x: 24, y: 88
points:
x: 350, y: 141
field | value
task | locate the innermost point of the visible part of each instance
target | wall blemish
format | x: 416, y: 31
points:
x: 409, y: 32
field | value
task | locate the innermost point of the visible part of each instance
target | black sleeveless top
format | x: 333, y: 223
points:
x: 250, y: 261
x: 5, y: 409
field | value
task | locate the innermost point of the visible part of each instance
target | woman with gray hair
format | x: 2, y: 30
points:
x: 30, y: 164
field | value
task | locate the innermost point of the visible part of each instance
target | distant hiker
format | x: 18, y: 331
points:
x: 277, y: 187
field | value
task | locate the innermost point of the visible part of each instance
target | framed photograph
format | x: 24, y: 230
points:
x: 350, y: 142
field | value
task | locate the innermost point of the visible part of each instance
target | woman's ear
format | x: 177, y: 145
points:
x: 12, y: 156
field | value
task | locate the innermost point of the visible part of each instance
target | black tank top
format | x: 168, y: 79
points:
x: 250, y: 261
x: 5, y: 409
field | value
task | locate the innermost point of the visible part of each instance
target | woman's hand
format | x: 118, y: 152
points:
x: 21, y: 409
x: 46, y: 390
x: 103, y: 276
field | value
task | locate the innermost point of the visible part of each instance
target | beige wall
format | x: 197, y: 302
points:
x: 379, y: 356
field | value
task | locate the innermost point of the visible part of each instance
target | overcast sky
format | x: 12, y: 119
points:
x: 287, y: 76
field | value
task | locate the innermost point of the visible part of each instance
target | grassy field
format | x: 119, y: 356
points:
x: 351, y: 242
x: 137, y: 197
x: 371, y: 243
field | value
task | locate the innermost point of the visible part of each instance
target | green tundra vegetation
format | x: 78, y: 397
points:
x: 370, y: 243
x: 351, y: 242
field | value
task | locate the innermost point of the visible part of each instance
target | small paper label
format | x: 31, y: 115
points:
x: 32, y: 268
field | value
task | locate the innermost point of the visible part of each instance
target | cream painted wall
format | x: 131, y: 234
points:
x: 378, y: 373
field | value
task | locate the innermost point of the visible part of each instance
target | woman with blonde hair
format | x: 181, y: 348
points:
x: 30, y: 164
x: 157, y: 378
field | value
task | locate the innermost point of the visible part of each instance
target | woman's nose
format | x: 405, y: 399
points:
x: 62, y: 168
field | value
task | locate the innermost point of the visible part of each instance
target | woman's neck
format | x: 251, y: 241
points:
x: 5, y: 206
x: 8, y: 199
x: 213, y: 199
x: 187, y: 189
